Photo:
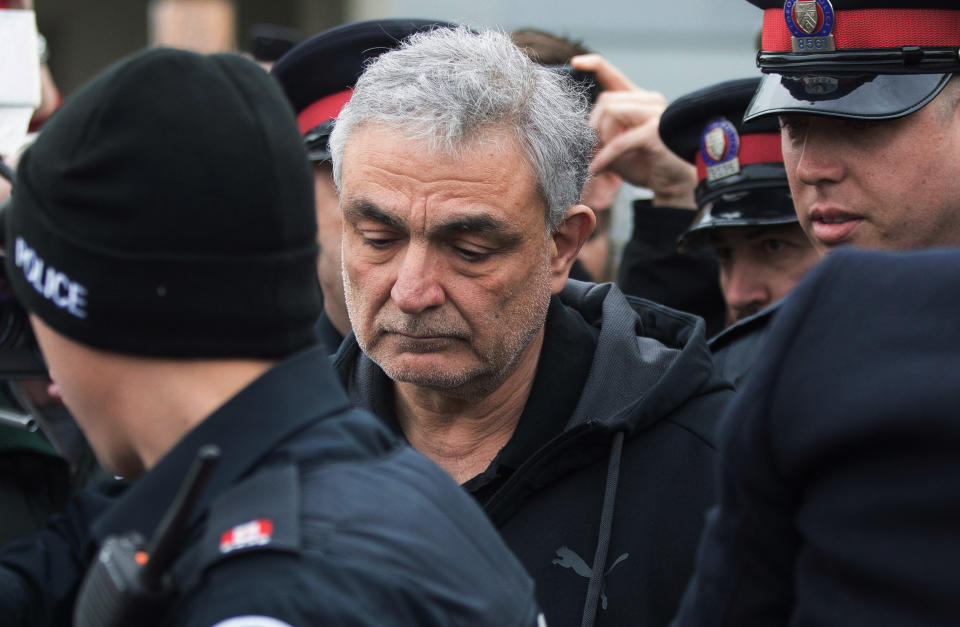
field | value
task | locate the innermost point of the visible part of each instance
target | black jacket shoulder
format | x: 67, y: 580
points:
x: 839, y: 458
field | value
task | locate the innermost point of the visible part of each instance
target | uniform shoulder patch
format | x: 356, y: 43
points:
x: 252, y: 621
x: 254, y: 533
x: 262, y: 512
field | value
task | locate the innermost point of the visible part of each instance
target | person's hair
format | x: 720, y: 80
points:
x: 447, y: 88
x: 546, y: 48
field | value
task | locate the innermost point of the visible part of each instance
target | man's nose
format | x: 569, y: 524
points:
x: 745, y: 292
x: 819, y: 160
x: 417, y: 286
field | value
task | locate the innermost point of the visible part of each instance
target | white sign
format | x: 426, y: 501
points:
x: 19, y: 76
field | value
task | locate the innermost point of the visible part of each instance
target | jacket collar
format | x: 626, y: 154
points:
x: 286, y: 399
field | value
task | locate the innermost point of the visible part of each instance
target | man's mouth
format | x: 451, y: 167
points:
x: 833, y: 227
x: 421, y: 343
x: 426, y: 334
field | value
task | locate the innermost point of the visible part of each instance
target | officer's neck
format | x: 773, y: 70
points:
x: 462, y: 433
x: 157, y: 401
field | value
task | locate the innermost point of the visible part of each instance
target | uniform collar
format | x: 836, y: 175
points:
x: 327, y: 333
x: 287, y: 398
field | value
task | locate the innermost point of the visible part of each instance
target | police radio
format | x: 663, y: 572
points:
x: 129, y: 582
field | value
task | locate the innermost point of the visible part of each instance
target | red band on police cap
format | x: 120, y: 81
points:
x: 874, y: 28
x: 754, y: 148
x: 327, y: 108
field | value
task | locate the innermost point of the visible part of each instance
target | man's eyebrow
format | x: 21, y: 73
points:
x: 487, y: 225
x: 366, y: 210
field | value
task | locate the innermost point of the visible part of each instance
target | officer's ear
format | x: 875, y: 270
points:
x: 566, y: 241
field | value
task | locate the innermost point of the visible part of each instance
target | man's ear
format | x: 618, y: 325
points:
x: 567, y: 240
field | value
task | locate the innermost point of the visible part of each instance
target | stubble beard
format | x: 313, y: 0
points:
x: 494, y: 365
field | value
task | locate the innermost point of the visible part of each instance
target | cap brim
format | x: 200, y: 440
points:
x: 742, y: 208
x: 317, y: 142
x: 845, y: 95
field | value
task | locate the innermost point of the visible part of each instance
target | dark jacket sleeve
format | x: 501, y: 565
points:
x: 745, y: 564
x: 33, y: 487
x: 652, y: 268
x: 838, y: 500
x: 40, y: 574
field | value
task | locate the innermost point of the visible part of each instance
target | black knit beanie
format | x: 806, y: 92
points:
x: 167, y: 210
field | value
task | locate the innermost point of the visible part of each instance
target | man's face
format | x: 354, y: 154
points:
x: 446, y: 260
x: 888, y: 184
x: 759, y: 265
x: 328, y: 237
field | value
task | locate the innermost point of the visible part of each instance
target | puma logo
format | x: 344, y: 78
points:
x: 568, y: 558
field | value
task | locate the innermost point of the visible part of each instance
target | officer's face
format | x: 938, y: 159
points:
x: 889, y: 184
x: 447, y: 262
x: 328, y: 237
x: 83, y: 381
x: 760, y: 265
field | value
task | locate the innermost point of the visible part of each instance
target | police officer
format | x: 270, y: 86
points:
x: 318, y: 76
x: 838, y: 500
x: 162, y: 238
x: 746, y: 214
x: 866, y: 96
x: 837, y: 503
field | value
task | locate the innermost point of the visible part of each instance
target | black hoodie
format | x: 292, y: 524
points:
x: 625, y: 481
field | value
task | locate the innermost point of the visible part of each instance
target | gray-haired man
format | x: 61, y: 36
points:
x: 580, y: 419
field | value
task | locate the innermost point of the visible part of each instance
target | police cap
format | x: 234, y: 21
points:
x: 318, y: 75
x: 866, y: 59
x: 742, y: 181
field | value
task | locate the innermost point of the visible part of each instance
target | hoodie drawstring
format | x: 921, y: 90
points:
x: 603, y: 541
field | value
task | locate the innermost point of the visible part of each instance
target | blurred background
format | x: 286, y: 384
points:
x: 671, y: 46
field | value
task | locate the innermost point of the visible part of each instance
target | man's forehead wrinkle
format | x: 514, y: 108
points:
x: 437, y: 196
x: 431, y: 206
x: 488, y: 145
x: 362, y: 208
x: 465, y: 185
